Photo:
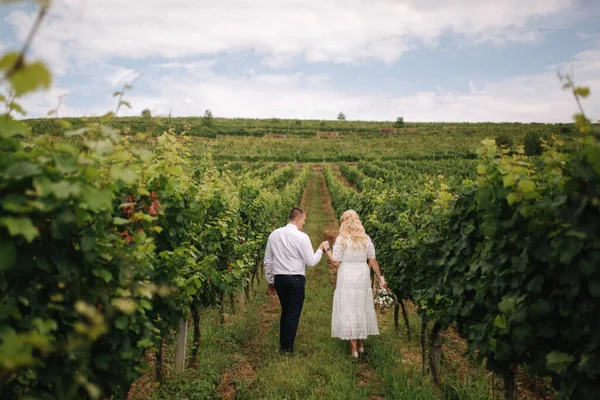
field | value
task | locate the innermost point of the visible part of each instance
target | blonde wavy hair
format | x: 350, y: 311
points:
x: 352, y: 231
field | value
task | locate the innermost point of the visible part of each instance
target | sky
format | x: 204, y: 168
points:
x: 424, y: 60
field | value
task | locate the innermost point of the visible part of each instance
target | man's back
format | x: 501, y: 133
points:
x: 289, y: 251
x: 286, y: 244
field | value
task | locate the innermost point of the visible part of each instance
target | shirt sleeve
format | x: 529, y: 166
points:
x: 370, y: 249
x: 268, y: 262
x: 311, y: 259
x: 337, y: 251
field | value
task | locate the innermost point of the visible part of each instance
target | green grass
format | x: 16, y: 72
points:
x: 322, y: 366
x: 221, y: 349
x: 398, y: 364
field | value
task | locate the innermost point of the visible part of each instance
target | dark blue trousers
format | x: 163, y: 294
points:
x: 290, y: 290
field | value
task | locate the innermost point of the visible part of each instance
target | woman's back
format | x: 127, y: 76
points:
x: 353, y: 253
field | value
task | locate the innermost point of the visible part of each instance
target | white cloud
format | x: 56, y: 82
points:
x: 188, y: 92
x: 194, y: 65
x: 344, y: 31
x: 529, y: 98
x: 279, y: 61
x: 38, y: 104
x: 122, y: 76
x: 474, y: 90
x: 88, y: 37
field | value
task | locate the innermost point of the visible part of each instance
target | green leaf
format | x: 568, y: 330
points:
x: 500, y: 321
x: 76, y: 132
x: 64, y: 124
x: 8, y: 255
x: 581, y: 123
x: 16, y: 107
x: 558, y: 362
x: 103, y: 273
x: 123, y: 174
x: 64, y: 189
x: 512, y: 198
x: 593, y: 154
x: 20, y: 226
x: 120, y: 221
x: 509, y: 180
x: 594, y: 288
x: 481, y: 169
x: 582, y: 91
x: 93, y: 391
x: 88, y: 241
x: 577, y: 234
x: 121, y: 322
x: 125, y: 305
x: 16, y: 203
x: 9, y: 60
x: 10, y: 128
x: 31, y: 77
x: 144, y: 343
x: 535, y: 284
x: 97, y: 200
x: 526, y: 186
x: 507, y: 305
x: 22, y: 169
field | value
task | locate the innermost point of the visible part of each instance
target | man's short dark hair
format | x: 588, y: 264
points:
x: 295, y: 212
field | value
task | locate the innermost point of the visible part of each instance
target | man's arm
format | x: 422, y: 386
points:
x: 311, y: 259
x: 268, y: 263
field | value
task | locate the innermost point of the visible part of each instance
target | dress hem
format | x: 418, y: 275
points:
x: 355, y: 338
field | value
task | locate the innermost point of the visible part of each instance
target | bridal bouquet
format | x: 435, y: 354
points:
x: 384, y: 299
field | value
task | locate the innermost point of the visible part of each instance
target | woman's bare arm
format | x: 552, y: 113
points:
x: 375, y: 265
x: 330, y: 255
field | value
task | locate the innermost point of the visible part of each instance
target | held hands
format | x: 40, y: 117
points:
x: 325, y: 245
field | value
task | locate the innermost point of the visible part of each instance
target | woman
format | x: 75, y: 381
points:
x: 353, y: 317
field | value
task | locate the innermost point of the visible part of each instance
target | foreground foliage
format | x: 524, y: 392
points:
x: 510, y: 256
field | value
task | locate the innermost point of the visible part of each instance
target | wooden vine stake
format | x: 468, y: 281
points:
x: 181, y: 341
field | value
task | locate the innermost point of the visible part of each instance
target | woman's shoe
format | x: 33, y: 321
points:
x: 355, y: 355
x: 361, y: 350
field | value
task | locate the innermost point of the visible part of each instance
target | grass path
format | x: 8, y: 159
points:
x: 322, y: 367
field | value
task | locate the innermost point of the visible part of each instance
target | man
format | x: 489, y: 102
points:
x: 288, y: 250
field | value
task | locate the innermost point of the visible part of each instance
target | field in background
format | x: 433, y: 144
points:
x: 317, y: 141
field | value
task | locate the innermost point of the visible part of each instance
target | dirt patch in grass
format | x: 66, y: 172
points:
x: 533, y: 387
x: 306, y: 198
x: 243, y: 373
x: 454, y: 351
x: 145, y: 385
x: 330, y: 232
x: 344, y: 181
x: 368, y: 376
x: 336, y: 169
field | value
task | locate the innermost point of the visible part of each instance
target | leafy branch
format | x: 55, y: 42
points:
x: 582, y: 123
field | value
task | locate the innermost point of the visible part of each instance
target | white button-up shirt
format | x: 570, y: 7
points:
x: 288, y: 250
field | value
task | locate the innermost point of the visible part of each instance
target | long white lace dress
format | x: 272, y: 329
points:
x: 353, y: 315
